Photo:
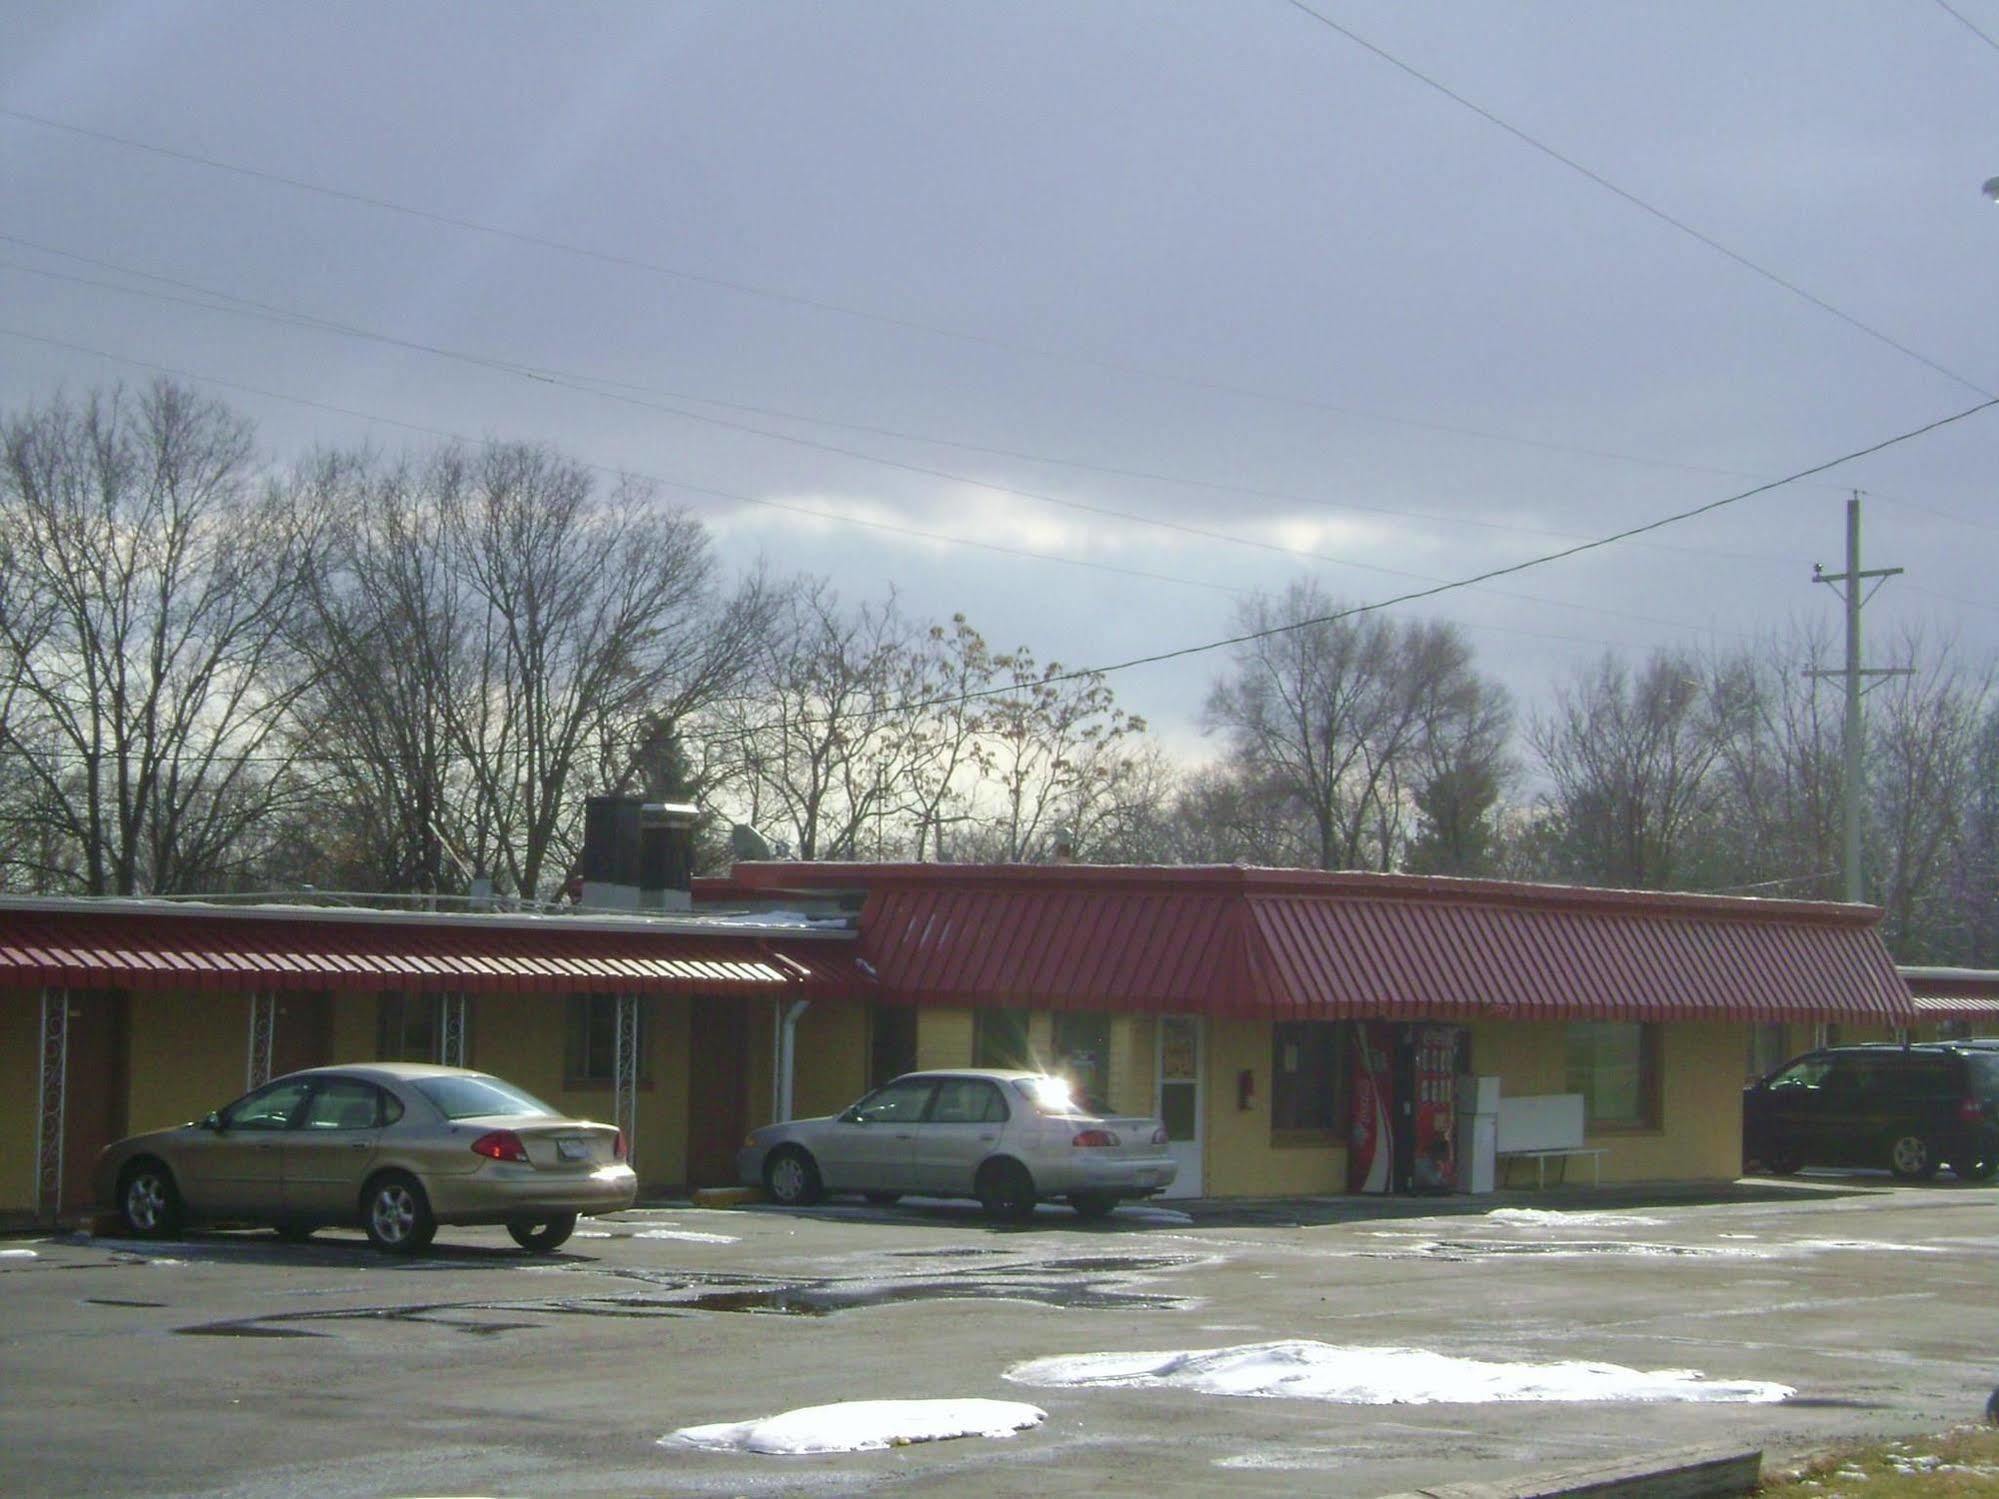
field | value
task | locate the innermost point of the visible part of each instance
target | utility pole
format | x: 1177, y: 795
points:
x: 1856, y: 771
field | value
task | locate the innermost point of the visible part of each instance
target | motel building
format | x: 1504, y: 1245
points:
x: 1301, y: 1033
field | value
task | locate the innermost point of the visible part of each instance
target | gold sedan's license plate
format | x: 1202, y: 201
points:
x: 572, y: 1150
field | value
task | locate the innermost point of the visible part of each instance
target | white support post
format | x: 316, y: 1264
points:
x: 50, y: 1115
x: 263, y: 1030
x: 451, y: 1029
x: 625, y: 1087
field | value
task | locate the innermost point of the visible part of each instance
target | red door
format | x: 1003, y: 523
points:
x: 301, y: 1032
x: 718, y: 1054
x: 94, y: 1089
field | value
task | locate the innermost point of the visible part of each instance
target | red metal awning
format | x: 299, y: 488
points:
x: 134, y: 945
x: 1955, y: 993
x: 1303, y: 945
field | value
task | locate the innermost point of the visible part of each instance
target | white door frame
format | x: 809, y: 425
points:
x: 1191, y: 1154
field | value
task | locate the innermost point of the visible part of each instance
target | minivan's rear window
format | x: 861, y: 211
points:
x: 477, y: 1097
x: 1985, y: 1074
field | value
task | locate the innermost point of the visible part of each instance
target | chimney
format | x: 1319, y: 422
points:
x: 638, y: 855
x: 611, y: 853
x: 666, y: 855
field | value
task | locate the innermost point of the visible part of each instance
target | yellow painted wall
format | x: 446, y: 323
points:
x: 20, y: 1096
x: 943, y: 1038
x: 189, y: 1053
x: 832, y: 1058
x: 1240, y: 1160
x: 1700, y: 1113
x: 1134, y: 1066
x: 352, y: 1033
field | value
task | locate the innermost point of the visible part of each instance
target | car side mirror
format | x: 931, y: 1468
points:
x: 853, y: 1116
x: 211, y: 1120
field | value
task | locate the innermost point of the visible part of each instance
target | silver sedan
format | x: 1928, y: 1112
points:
x: 395, y: 1148
x: 1007, y: 1138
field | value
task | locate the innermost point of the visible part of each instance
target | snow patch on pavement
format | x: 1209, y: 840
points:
x: 691, y: 1235
x: 18, y: 1254
x: 860, y: 1426
x: 1545, y: 1217
x: 1306, y: 1370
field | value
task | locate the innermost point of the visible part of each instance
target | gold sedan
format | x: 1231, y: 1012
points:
x: 395, y: 1148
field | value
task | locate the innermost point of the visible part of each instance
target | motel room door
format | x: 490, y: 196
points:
x: 1180, y: 1100
x: 718, y: 1052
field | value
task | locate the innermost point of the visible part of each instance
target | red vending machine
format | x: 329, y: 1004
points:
x: 1402, y: 1116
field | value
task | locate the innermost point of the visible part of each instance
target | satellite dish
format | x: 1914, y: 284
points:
x: 1992, y: 189
x: 745, y: 842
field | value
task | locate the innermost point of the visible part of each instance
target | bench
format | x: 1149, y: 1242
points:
x: 1543, y: 1128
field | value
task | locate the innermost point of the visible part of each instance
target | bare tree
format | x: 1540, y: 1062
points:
x: 1629, y: 760
x: 1349, y: 717
x: 144, y: 628
x: 824, y: 740
x: 1924, y: 737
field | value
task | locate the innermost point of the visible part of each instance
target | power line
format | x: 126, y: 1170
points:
x: 747, y: 289
x: 679, y: 484
x: 296, y: 317
x: 833, y: 517
x: 289, y: 317
x: 1637, y: 202
x: 1498, y: 572
x: 1959, y: 17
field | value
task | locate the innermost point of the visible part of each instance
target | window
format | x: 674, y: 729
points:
x: 1307, y: 1078
x: 1614, y: 1064
x: 967, y: 1100
x: 478, y: 1097
x: 344, y: 1103
x: 999, y: 1038
x: 590, y: 1045
x: 274, y: 1106
x: 1768, y: 1049
x: 406, y: 1028
x: 898, y: 1103
x: 1083, y: 1054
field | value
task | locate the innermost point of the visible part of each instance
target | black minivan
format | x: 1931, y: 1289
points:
x: 1910, y: 1108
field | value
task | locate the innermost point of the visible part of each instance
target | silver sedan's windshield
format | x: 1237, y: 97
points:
x: 476, y: 1097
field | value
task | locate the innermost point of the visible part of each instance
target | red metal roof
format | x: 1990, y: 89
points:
x: 1284, y: 944
x: 133, y: 946
x: 1954, y: 993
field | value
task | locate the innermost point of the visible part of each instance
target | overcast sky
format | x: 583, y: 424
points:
x: 1030, y: 285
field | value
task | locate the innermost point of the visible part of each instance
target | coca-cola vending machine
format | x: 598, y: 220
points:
x: 1402, y: 1119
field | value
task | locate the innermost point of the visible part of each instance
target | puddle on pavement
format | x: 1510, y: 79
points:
x: 1068, y: 1287
x: 1463, y: 1249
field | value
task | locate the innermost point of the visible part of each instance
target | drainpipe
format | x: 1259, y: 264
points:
x: 787, y: 1055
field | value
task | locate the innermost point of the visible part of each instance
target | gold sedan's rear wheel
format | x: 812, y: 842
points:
x: 543, y: 1235
x: 397, y: 1214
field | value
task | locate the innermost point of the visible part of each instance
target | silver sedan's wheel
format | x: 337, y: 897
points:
x: 791, y: 1177
x: 1006, y: 1191
x: 1912, y: 1158
x: 396, y: 1214
x: 148, y: 1201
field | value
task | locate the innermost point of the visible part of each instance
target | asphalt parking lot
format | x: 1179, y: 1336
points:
x: 237, y: 1364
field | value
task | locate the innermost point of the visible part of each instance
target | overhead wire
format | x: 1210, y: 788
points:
x: 834, y: 517
x: 290, y: 317
x: 1965, y: 21
x: 1205, y: 647
x: 1626, y: 195
x: 892, y: 320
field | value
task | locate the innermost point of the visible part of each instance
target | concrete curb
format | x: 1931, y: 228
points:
x: 1690, y: 1473
x: 726, y: 1197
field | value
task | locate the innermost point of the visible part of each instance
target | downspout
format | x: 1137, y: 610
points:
x: 787, y: 1056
